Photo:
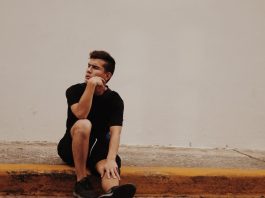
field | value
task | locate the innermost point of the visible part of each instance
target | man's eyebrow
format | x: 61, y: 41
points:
x: 92, y: 65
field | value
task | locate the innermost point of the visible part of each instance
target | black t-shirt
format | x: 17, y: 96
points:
x: 106, y: 110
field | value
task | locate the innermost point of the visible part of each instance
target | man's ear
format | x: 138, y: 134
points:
x: 108, y: 75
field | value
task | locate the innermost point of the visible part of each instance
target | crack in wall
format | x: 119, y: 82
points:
x: 250, y: 156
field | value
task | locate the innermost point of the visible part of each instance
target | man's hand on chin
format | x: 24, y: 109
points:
x: 99, y: 83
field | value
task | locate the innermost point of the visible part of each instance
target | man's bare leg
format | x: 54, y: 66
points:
x: 80, y: 133
x: 106, y: 183
x: 126, y: 190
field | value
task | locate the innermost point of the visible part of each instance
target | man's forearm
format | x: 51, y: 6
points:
x: 85, y: 102
x: 114, y: 145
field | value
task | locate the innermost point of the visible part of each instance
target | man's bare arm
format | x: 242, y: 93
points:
x: 115, y: 132
x: 111, y: 167
x: 82, y: 108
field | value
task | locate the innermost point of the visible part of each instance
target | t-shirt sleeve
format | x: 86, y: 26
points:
x: 73, y: 94
x: 117, y: 109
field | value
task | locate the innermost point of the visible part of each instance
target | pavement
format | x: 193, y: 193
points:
x: 157, y: 171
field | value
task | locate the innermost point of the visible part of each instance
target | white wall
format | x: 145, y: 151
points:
x: 191, y: 72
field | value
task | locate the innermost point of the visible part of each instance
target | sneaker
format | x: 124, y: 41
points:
x: 83, y: 189
x: 123, y: 191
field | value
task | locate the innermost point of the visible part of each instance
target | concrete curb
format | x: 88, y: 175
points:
x: 41, y: 179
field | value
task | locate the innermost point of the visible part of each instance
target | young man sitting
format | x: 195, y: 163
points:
x: 94, y: 124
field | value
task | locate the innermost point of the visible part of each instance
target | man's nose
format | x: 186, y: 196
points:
x: 89, y: 69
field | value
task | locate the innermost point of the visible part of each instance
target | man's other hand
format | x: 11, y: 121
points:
x: 111, y: 169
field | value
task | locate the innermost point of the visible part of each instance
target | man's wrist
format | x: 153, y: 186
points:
x: 111, y: 157
x: 91, y: 84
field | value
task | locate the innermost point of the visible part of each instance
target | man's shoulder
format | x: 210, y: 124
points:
x: 113, y: 93
x: 77, y: 86
x: 75, y: 89
x: 115, y: 96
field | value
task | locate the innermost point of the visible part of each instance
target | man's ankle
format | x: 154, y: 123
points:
x: 79, y: 178
x: 125, y: 190
x: 110, y: 189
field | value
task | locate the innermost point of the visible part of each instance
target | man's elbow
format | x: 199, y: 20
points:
x: 81, y: 115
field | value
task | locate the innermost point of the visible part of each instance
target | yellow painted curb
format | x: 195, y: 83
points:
x: 42, y: 179
x: 34, y: 167
x: 141, y: 170
x: 192, y: 172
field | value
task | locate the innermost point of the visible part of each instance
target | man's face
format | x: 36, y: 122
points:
x: 96, y: 68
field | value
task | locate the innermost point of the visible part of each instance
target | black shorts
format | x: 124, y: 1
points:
x: 98, y: 150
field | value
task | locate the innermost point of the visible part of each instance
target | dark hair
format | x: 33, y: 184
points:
x: 110, y: 62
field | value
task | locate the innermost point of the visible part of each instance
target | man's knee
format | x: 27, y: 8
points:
x: 81, y: 127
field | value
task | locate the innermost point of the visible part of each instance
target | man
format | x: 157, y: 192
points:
x: 94, y: 124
